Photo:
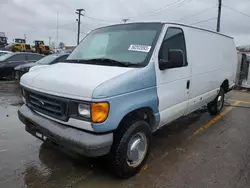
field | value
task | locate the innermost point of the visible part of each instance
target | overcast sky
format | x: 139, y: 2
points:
x: 38, y: 18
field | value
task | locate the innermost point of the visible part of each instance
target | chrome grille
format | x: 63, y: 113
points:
x: 49, y: 105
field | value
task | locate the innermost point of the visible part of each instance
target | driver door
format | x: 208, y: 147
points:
x: 173, y: 83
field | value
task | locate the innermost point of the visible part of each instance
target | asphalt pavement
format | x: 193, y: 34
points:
x: 196, y: 151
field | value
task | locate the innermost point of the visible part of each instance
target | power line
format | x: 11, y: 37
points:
x: 98, y: 19
x: 168, y: 8
x: 82, y: 32
x: 176, y: 6
x: 85, y: 25
x: 199, y: 13
x: 156, y: 10
x: 236, y: 11
x: 204, y: 21
x: 171, y: 7
x: 179, y: 5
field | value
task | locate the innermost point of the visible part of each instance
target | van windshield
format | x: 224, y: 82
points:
x: 129, y: 43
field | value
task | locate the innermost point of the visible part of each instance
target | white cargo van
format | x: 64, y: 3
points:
x: 122, y: 83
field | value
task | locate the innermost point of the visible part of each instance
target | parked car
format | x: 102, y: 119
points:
x: 47, y: 60
x: 2, y: 52
x: 124, y: 82
x: 9, y: 61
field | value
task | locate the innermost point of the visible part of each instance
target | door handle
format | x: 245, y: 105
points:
x: 188, y: 84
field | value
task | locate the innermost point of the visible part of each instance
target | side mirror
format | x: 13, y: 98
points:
x: 175, y: 60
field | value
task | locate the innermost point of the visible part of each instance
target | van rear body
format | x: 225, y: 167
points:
x: 124, y: 82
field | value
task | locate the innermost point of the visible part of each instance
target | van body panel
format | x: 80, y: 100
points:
x: 126, y: 93
x: 171, y: 87
x: 211, y: 65
x: 63, y: 79
x: 122, y: 105
x: 136, y: 79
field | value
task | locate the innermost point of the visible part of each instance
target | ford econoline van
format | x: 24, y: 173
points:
x: 124, y: 82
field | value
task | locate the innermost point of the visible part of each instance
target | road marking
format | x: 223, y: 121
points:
x: 246, y: 102
x: 216, y: 118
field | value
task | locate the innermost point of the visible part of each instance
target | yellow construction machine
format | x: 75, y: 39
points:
x: 21, y: 46
x: 41, y: 48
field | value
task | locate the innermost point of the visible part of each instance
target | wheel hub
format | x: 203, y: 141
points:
x: 137, y: 149
x: 219, y: 102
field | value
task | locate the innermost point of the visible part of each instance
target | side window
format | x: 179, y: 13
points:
x: 34, y: 57
x: 18, y: 57
x: 173, y: 46
x: 61, y: 59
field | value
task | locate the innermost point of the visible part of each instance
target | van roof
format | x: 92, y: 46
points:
x: 200, y: 28
x: 174, y: 23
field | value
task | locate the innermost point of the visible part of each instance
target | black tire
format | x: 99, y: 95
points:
x: 118, y: 154
x: 214, y: 107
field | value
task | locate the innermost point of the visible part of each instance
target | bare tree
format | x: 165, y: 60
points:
x: 53, y: 45
x: 61, y: 45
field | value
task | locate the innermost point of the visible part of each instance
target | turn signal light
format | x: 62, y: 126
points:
x: 99, y: 112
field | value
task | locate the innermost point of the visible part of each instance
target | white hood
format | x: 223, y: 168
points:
x: 70, y: 80
x: 38, y: 67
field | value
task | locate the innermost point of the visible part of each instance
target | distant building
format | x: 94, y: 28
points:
x: 69, y: 47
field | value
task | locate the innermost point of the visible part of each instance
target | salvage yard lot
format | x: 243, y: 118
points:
x: 195, y: 151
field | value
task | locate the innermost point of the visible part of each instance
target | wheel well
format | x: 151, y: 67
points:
x: 141, y: 113
x: 225, y: 86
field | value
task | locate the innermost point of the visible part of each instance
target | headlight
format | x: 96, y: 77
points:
x: 96, y: 112
x: 99, y: 112
x: 23, y: 96
x: 23, y: 92
x: 24, y: 100
x: 84, y: 110
x: 26, y: 69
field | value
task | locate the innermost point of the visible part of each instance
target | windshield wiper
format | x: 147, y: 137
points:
x: 102, y: 61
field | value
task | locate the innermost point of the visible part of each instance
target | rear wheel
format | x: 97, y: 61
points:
x: 217, y: 104
x: 131, y: 148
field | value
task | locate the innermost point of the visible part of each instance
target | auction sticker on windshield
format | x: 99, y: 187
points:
x: 139, y: 48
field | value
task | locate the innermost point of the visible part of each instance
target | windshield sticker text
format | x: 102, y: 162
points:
x: 139, y: 48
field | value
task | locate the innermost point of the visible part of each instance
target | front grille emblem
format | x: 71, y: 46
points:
x: 41, y: 103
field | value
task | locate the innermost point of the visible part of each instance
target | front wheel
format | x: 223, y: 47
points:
x: 131, y: 148
x: 217, y: 104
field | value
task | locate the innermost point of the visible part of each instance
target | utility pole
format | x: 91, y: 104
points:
x: 79, y: 12
x: 219, y: 16
x: 57, y: 31
x: 125, y: 20
x: 49, y: 40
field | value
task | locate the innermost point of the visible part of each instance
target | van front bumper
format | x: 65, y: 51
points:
x: 79, y: 141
